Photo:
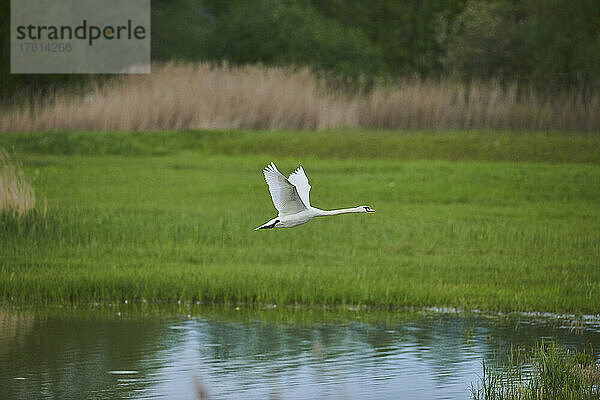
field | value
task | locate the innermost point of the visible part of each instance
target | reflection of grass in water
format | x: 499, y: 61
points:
x: 14, y: 327
x: 469, y: 335
x: 178, y: 226
x: 555, y: 374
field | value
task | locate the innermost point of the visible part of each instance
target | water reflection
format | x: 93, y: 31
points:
x: 105, y: 354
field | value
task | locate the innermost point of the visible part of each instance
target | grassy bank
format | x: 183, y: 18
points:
x: 199, y: 96
x: 342, y: 144
x: 169, y: 217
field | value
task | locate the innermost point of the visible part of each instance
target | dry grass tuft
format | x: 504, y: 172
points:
x: 16, y: 194
x: 196, y: 96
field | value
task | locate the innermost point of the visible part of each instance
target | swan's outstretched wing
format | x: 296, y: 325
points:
x: 285, y: 196
x: 298, y: 178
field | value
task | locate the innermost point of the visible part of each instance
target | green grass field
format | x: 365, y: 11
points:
x: 479, y: 220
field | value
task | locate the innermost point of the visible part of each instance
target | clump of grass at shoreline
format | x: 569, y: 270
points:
x: 17, y: 197
x: 556, y: 374
x: 201, y: 96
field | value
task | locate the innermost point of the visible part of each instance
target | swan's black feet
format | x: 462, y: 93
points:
x: 270, y: 226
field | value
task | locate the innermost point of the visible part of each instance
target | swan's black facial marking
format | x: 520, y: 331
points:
x: 270, y: 226
x: 368, y: 209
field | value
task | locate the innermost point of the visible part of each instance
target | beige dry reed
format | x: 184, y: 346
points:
x: 16, y: 194
x: 182, y: 96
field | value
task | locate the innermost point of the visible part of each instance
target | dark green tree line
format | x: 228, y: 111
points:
x: 547, y: 43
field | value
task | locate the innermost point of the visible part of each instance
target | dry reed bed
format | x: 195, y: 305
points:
x: 181, y: 96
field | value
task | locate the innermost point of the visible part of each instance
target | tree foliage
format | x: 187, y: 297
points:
x: 548, y: 43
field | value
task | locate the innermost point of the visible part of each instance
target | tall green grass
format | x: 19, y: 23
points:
x: 554, y: 374
x: 179, y: 226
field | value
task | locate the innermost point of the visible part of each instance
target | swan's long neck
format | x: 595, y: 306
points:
x: 337, y: 212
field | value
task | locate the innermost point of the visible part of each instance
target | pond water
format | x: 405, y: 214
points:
x: 195, y: 353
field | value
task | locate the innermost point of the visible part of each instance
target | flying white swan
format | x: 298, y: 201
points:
x: 291, y: 198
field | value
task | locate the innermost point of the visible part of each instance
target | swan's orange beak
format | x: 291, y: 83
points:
x: 370, y: 210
